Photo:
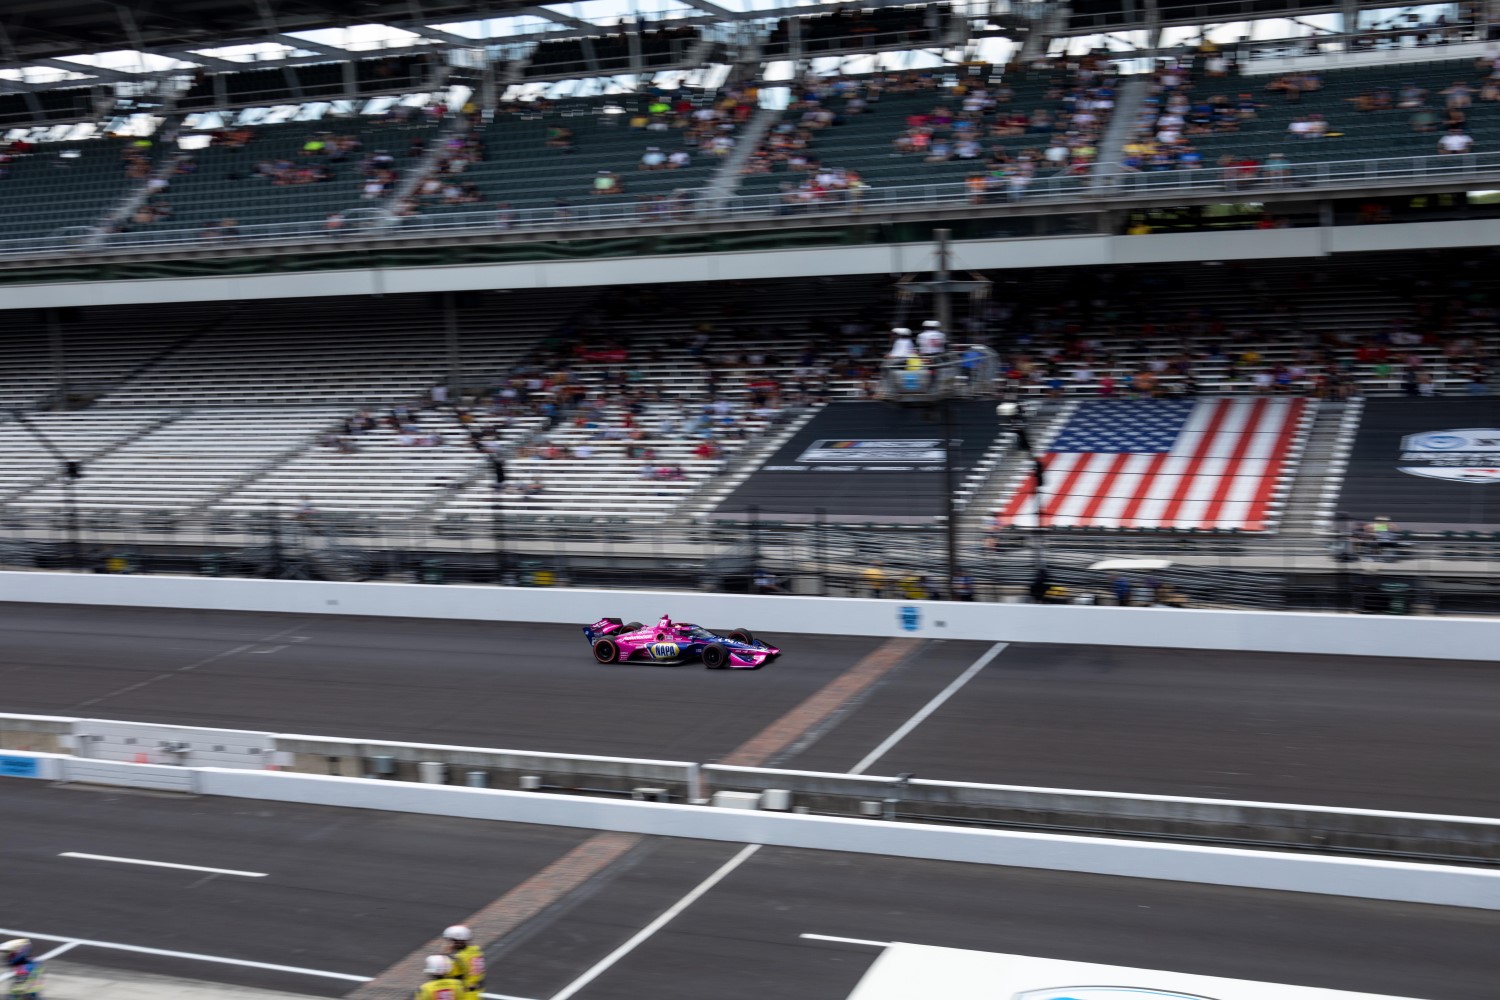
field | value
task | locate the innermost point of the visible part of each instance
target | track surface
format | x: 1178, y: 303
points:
x: 1388, y: 734
x: 349, y: 891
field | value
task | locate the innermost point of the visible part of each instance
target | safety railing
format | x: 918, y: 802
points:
x: 688, y: 206
x: 964, y: 371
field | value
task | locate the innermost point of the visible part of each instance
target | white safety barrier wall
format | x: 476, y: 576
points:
x: 1249, y: 631
x: 1063, y: 810
x: 1365, y: 879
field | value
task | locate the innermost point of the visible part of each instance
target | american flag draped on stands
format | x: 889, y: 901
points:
x: 1188, y: 465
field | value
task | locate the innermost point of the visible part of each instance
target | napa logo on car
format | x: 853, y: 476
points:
x: 1107, y: 993
x: 1464, y: 455
x: 664, y: 650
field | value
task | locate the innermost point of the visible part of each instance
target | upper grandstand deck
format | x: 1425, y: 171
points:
x: 527, y: 187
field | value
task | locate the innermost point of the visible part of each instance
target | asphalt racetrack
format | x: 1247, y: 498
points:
x: 1416, y: 735
x: 346, y: 892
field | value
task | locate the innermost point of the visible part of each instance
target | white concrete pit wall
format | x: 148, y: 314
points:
x: 1248, y: 631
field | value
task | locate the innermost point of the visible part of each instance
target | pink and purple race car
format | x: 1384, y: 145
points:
x: 673, y: 642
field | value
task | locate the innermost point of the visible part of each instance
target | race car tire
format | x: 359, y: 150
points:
x: 715, y: 656
x: 606, y: 651
x: 630, y: 626
x: 742, y: 635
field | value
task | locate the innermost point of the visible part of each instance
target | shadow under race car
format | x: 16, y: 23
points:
x: 673, y: 642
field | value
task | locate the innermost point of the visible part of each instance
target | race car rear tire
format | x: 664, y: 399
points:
x: 715, y: 656
x: 742, y: 635
x: 630, y: 626
x: 606, y: 651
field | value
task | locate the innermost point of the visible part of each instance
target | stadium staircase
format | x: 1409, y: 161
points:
x: 1128, y: 97
x: 863, y: 142
x: 82, y: 437
x: 725, y: 181
x: 744, y: 467
x: 63, y: 189
x: 1013, y: 466
x: 1310, y: 503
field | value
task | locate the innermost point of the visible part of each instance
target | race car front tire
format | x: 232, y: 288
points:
x: 606, y: 651
x: 715, y: 656
x: 742, y: 635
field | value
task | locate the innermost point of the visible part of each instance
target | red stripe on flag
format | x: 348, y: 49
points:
x: 1142, y: 489
x: 1226, y: 482
x: 1255, y: 520
x: 1018, y: 500
x: 1066, y: 491
x: 1195, y: 462
x: 1105, y: 488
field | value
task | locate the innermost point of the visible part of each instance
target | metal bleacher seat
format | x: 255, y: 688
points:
x: 62, y: 187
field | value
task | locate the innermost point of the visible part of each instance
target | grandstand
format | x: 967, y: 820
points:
x: 725, y: 305
x: 651, y: 391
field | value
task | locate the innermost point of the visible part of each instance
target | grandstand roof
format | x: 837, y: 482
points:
x: 39, y: 29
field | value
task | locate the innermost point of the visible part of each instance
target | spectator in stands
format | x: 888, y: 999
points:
x: 1456, y: 140
x: 1458, y: 96
x: 932, y: 342
x: 902, y: 344
x: 607, y: 182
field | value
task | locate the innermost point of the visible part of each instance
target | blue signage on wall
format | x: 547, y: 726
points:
x: 911, y: 617
x: 19, y: 767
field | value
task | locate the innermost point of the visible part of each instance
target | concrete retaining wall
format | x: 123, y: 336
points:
x: 500, y: 768
x: 1249, y: 631
x: 1062, y: 810
x: 1365, y: 879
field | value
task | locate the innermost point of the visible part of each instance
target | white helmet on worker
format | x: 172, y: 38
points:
x: 438, y: 965
x: 458, y: 932
x: 930, y: 323
x: 15, y: 945
x: 901, y: 331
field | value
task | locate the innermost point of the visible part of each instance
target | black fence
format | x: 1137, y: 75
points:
x: 759, y: 553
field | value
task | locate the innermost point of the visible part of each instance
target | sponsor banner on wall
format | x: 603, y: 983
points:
x: 1466, y: 455
x: 1427, y: 464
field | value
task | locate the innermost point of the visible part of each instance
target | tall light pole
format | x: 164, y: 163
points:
x: 1013, y: 413
x: 941, y: 288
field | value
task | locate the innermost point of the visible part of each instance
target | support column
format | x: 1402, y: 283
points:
x: 57, y: 350
x: 455, y: 349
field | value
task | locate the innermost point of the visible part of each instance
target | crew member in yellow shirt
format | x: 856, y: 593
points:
x: 441, y: 984
x: 468, y: 960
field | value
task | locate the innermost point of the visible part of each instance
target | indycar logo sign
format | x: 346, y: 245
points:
x: 870, y: 455
x: 1465, y: 455
x: 866, y: 451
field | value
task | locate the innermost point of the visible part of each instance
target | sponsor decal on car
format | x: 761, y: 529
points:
x: 664, y: 650
x: 1465, y: 455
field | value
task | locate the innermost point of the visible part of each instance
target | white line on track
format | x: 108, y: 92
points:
x: 160, y: 864
x: 927, y: 709
x: 645, y: 932
x: 844, y: 940
x: 190, y: 956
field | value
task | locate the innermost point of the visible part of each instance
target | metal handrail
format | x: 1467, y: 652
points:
x: 691, y: 207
